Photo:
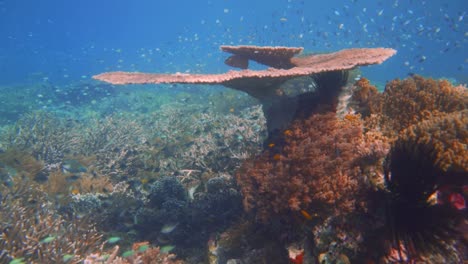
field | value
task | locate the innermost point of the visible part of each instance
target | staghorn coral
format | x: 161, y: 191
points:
x: 116, y: 142
x: 192, y: 137
x: 44, y: 135
x: 141, y: 253
x: 317, y: 166
x: 33, y: 231
x: 14, y: 161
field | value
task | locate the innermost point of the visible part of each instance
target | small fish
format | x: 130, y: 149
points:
x: 457, y: 201
x: 73, y: 166
x: 17, y: 261
x: 276, y: 157
x: 237, y: 61
x: 168, y: 228
x: 308, y: 216
x: 48, y: 239
x: 67, y: 257
x: 271, y: 145
x: 422, y: 59
x: 283, y: 19
x: 128, y: 253
x: 166, y: 249
x: 288, y: 133
x: 191, y: 192
x: 143, y: 248
x: 113, y: 240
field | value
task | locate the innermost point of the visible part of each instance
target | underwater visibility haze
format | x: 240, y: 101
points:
x: 222, y: 131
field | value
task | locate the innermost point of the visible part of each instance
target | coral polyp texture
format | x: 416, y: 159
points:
x: 405, y: 102
x: 317, y: 166
x: 429, y: 158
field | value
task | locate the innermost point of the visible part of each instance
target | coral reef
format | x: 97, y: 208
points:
x: 316, y: 167
x: 33, y: 231
x: 405, y: 102
x: 304, y: 66
x: 415, y: 215
x: 329, y: 71
x: 43, y: 135
x: 141, y: 253
x: 362, y: 97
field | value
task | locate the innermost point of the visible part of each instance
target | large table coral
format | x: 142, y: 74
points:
x: 328, y: 73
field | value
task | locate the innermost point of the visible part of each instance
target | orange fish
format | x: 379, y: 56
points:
x: 288, y: 133
x: 307, y: 215
x: 277, y: 157
x: 271, y: 145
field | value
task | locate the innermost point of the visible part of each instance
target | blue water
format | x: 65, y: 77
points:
x: 63, y: 41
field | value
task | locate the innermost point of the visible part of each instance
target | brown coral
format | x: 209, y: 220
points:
x: 316, y: 165
x: 406, y: 102
x: 141, y: 253
x: 363, y: 94
x: 428, y: 157
x: 447, y: 137
x: 33, y: 231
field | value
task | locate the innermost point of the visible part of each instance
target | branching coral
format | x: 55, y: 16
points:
x: 33, y: 231
x: 141, y: 253
x: 44, y: 135
x: 316, y: 166
x: 195, y: 138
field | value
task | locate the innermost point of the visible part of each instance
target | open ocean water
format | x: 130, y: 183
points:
x: 370, y: 167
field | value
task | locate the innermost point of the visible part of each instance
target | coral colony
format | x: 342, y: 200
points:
x: 326, y: 170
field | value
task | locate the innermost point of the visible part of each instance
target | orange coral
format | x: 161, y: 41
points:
x: 415, y: 99
x: 318, y: 166
x: 448, y: 137
x: 363, y: 94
